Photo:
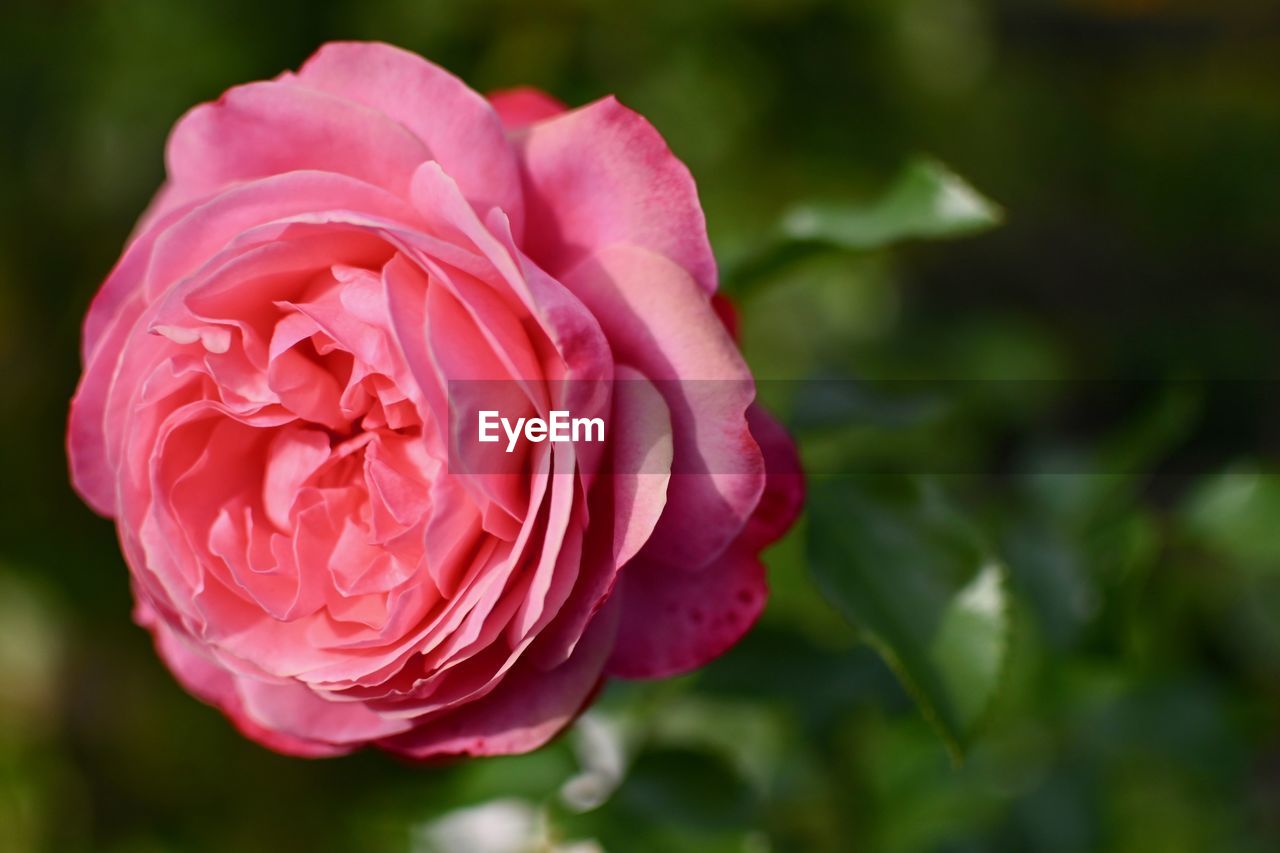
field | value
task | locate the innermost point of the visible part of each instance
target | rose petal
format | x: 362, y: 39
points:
x: 526, y: 710
x: 272, y: 127
x: 659, y: 322
x: 783, y: 496
x: 600, y: 176
x: 524, y: 105
x: 216, y: 686
x: 457, y: 125
x: 675, y: 621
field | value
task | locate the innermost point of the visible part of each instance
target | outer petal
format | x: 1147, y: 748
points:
x: 520, y: 107
x: 658, y: 321
x: 642, y: 453
x: 114, y: 310
x: 702, y: 614
x: 674, y: 621
x: 266, y: 128
x: 216, y: 686
x: 783, y: 496
x: 626, y: 506
x: 527, y: 709
x: 601, y: 175
x: 458, y: 126
x: 296, y: 709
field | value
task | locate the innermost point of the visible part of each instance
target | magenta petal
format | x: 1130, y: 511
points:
x: 524, y: 105
x: 674, y: 621
x: 783, y: 496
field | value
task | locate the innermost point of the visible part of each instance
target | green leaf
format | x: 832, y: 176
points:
x: 1237, y: 514
x: 927, y: 200
x: 923, y: 586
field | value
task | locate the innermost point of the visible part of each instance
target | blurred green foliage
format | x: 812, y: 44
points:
x: 1100, y: 644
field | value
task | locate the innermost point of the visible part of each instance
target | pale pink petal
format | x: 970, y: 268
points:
x: 527, y: 709
x: 216, y: 686
x: 458, y: 127
x: 111, y: 318
x: 203, y: 231
x: 469, y: 369
x: 558, y: 563
x: 626, y: 505
x: 601, y: 176
x: 642, y: 446
x: 297, y: 709
x: 267, y: 128
x: 575, y: 334
x: 783, y: 496
x: 294, y: 455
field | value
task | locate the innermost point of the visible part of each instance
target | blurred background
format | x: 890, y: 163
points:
x: 1051, y: 622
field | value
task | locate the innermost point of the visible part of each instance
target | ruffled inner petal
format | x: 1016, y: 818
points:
x: 297, y: 516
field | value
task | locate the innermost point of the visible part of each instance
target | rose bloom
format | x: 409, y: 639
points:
x: 265, y: 411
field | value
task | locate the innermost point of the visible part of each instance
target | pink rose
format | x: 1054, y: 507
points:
x: 266, y: 412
